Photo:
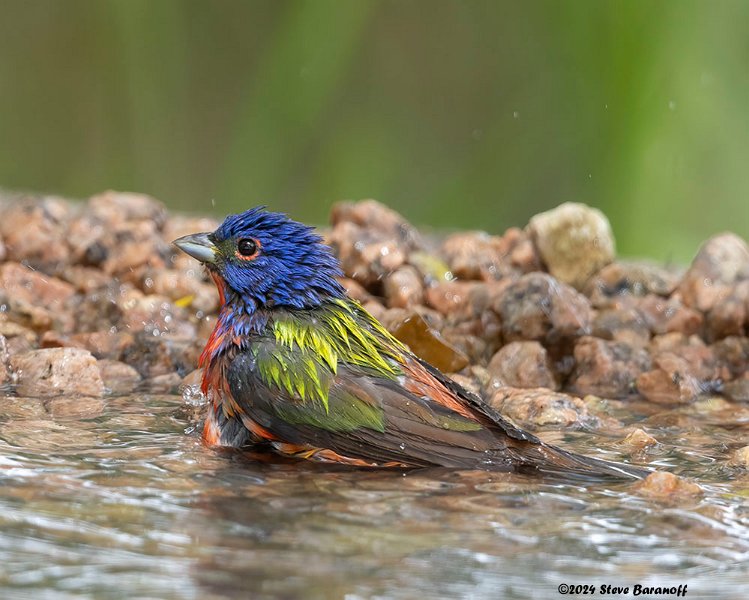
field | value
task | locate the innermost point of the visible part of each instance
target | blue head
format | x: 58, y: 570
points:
x: 268, y: 260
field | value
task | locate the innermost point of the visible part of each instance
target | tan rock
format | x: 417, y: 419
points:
x: 670, y: 382
x: 541, y: 407
x: 638, y: 439
x: 574, y: 241
x: 118, y: 377
x: 57, y: 371
x: 740, y: 458
x: 34, y: 230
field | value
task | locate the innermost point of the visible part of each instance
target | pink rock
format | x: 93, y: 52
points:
x: 607, y: 369
x: 522, y: 365
x: 720, y: 264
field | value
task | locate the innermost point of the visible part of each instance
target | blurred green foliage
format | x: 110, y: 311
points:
x: 460, y: 114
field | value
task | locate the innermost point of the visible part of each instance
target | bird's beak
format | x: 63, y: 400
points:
x: 199, y: 246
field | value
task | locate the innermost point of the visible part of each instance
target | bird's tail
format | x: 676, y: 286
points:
x: 546, y: 459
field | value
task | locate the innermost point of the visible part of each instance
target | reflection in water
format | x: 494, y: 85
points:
x: 118, y: 502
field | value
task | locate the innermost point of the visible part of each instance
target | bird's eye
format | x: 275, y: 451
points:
x: 247, y: 248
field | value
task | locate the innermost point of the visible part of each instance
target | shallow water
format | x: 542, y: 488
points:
x: 118, y: 499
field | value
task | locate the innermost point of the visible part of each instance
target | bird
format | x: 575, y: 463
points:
x: 295, y: 363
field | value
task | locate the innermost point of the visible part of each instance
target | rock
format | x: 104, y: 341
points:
x: 669, y: 315
x: 740, y: 458
x: 475, y: 255
x: 638, y: 439
x: 152, y: 355
x: 84, y: 279
x: 620, y: 283
x: 729, y: 316
x: 574, y: 241
x: 606, y: 368
x: 167, y: 383
x: 738, y: 389
x: 57, y: 371
x: 450, y: 297
x: 371, y: 240
x: 541, y: 407
x: 403, y: 288
x: 428, y: 344
x: 732, y: 354
x: 522, y: 365
x: 720, y: 264
x: 355, y: 290
x: 671, y: 381
x: 177, y: 226
x: 625, y: 325
x: 118, y: 377
x: 34, y: 231
x: 538, y: 307
x: 183, y: 287
x: 34, y: 299
x: 663, y: 485
x: 115, y: 207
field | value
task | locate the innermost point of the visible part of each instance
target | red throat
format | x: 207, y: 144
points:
x: 216, y: 339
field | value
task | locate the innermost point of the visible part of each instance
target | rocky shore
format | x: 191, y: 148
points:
x: 545, y: 322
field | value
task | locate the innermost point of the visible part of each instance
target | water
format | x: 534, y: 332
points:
x: 114, y: 500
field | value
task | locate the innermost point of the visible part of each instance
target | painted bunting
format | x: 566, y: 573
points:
x: 294, y: 362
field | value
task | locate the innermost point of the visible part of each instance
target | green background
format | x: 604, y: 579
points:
x: 460, y: 114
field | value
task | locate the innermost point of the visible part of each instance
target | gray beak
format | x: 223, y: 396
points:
x: 199, y: 246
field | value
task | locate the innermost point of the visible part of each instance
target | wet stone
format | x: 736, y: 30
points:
x: 721, y: 263
x: 639, y: 439
x: 522, y: 365
x: 671, y: 381
x: 538, y: 307
x: 74, y: 408
x: 606, y: 368
x: 536, y: 408
x: 740, y: 458
x: 57, y: 371
x: 574, y: 241
x: 665, y: 486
